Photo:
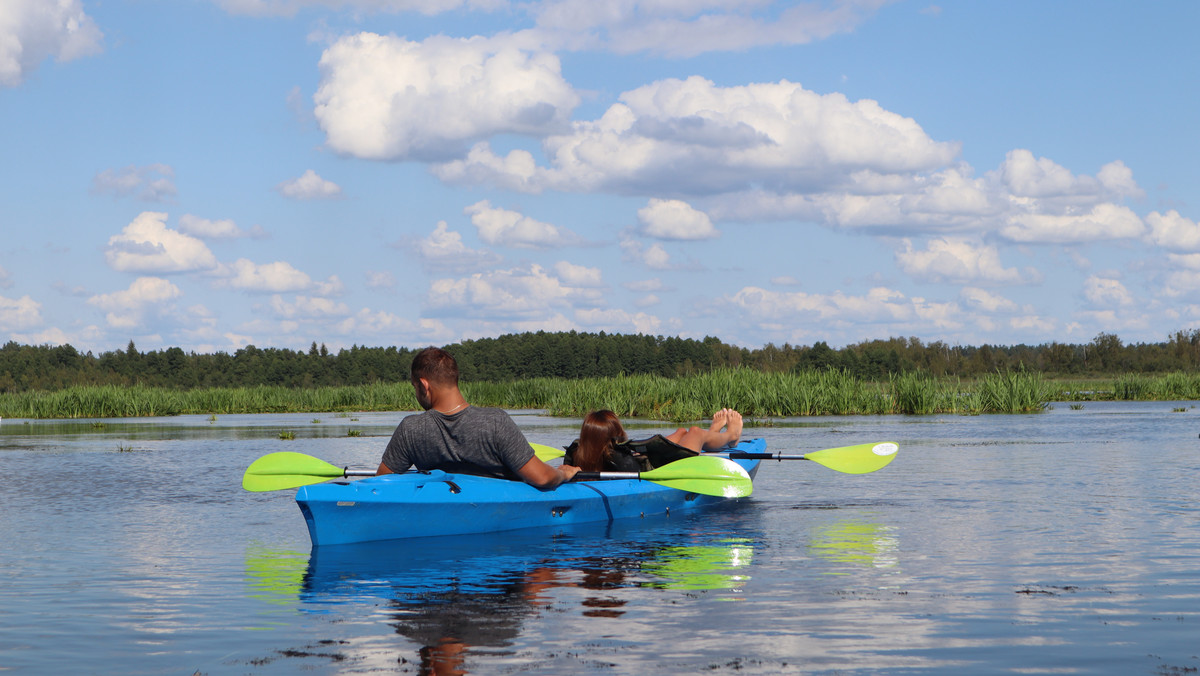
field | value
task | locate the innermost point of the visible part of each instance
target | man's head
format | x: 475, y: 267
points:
x: 432, y: 368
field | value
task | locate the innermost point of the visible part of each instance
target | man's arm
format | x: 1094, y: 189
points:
x: 383, y: 469
x: 540, y: 475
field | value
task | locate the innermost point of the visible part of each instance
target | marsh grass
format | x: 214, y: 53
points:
x: 756, y: 394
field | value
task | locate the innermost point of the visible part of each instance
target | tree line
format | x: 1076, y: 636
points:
x: 575, y: 355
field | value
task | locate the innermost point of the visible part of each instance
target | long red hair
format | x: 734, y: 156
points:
x: 601, y: 429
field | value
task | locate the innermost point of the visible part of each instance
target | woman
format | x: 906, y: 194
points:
x: 602, y: 440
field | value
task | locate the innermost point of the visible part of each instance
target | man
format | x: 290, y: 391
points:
x: 454, y: 436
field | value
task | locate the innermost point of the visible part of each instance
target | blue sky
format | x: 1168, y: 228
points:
x: 209, y: 174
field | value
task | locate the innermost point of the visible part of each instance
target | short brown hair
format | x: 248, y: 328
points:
x: 435, y: 365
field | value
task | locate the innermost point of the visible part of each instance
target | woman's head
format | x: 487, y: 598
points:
x: 601, y: 429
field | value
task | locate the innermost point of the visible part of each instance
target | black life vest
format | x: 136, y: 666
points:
x: 638, y: 455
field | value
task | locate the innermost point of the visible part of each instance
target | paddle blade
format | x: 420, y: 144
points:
x: 706, y: 475
x: 285, y: 469
x: 859, y: 459
x: 547, y: 453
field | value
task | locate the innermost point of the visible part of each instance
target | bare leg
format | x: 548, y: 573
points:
x: 700, y: 439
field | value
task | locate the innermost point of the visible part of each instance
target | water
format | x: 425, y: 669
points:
x: 1066, y: 542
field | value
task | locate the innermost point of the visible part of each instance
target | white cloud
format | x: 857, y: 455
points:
x: 889, y: 308
x: 654, y: 256
x: 309, y: 186
x: 503, y: 227
x: 522, y: 293
x: 127, y: 309
x: 729, y: 138
x: 219, y: 229
x: 308, y: 308
x: 1026, y: 176
x: 987, y: 302
x: 19, y: 314
x: 444, y: 249
x: 277, y: 277
x: 956, y: 261
x: 148, y: 245
x: 1103, y: 221
x: 32, y: 31
x: 675, y: 219
x: 578, y: 276
x: 384, y: 97
x: 619, y: 321
x: 395, y: 328
x: 151, y: 183
x: 1103, y: 292
x: 1173, y: 231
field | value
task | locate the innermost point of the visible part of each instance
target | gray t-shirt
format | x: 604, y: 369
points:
x: 480, y: 441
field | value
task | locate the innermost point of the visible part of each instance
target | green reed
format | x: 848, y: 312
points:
x: 687, y: 398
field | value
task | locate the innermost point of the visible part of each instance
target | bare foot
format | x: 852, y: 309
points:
x: 734, y: 426
x: 719, y: 420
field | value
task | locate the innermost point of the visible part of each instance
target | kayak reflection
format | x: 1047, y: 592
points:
x: 455, y: 596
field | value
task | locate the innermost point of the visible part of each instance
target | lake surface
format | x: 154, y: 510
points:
x: 1063, y: 542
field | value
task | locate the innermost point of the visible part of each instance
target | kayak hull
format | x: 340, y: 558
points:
x: 420, y: 504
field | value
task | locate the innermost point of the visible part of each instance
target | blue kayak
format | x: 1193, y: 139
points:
x: 426, y: 504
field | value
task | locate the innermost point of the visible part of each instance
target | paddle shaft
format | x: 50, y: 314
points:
x: 744, y: 455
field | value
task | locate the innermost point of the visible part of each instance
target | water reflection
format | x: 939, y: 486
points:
x: 861, y: 543
x: 473, y: 595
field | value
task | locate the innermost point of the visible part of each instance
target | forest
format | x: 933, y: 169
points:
x: 575, y: 355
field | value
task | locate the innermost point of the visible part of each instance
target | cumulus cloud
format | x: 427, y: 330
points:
x: 1105, y: 292
x: 1027, y: 176
x: 215, y: 229
x: 277, y: 277
x: 1103, y: 221
x: 675, y: 219
x: 986, y: 301
x: 1173, y: 231
x: 367, y: 322
x: 444, y: 249
x: 384, y: 97
x: 578, y: 275
x: 148, y: 245
x: 127, y: 309
x: 730, y: 139
x: 19, y: 314
x: 309, y: 186
x: 619, y: 321
x: 513, y: 293
x: 503, y: 227
x: 32, y: 31
x: 654, y: 256
x: 956, y: 261
x: 308, y: 308
x: 888, y: 308
x: 151, y: 183
x: 523, y: 293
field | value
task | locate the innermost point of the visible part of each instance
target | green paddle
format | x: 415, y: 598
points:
x: 859, y: 459
x: 707, y: 475
x: 285, y: 469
